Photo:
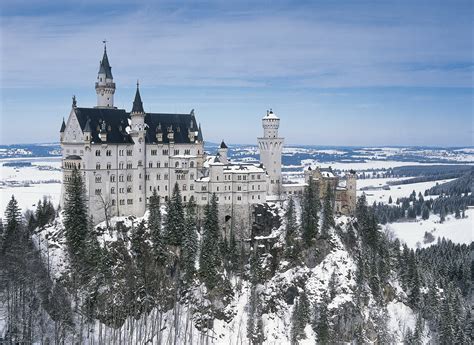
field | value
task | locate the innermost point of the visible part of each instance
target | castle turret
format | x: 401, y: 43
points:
x: 223, y: 152
x: 105, y: 86
x: 270, y: 146
x: 138, y: 133
x: 351, y: 185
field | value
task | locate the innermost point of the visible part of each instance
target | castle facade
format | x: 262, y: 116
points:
x: 124, y: 156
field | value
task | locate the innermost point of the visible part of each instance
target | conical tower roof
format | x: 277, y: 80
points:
x: 137, y: 103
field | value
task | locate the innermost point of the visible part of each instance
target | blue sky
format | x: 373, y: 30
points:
x: 336, y: 73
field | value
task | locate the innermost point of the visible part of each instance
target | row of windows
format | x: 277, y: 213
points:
x: 129, y: 152
x: 239, y: 188
x: 228, y: 177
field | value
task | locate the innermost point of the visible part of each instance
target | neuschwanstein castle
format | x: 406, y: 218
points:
x: 124, y: 156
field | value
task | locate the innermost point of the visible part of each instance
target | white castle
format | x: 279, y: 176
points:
x: 124, y: 156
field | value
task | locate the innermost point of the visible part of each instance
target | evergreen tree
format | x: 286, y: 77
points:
x: 425, y: 213
x: 328, y: 216
x: 75, y: 217
x: 309, y: 212
x: 390, y: 199
x: 154, y: 225
x: 300, y: 319
x: 13, y: 223
x: 292, y: 247
x: 209, y: 261
x: 190, y: 245
x: 174, y: 220
x: 322, y: 327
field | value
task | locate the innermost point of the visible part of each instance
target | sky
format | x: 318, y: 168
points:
x: 344, y: 73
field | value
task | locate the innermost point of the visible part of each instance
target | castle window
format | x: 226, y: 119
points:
x: 112, y: 190
x: 113, y: 202
x: 166, y: 164
x: 147, y: 177
x: 98, y: 179
x: 165, y: 152
x: 129, y: 178
x: 253, y: 187
x: 158, y: 165
x: 158, y: 188
x: 258, y: 177
x: 239, y: 177
x: 245, y: 177
x: 253, y: 197
x: 150, y: 165
x: 166, y: 188
x: 129, y: 189
x: 97, y: 166
x: 109, y: 166
x: 140, y: 187
x: 112, y: 178
x: 166, y: 176
x: 97, y: 152
x: 259, y: 197
x: 217, y: 188
x: 120, y: 152
x: 129, y: 201
x: 239, y: 198
x: 158, y: 176
x: 184, y: 198
x: 191, y: 187
x: 153, y: 152
x: 191, y: 176
x: 191, y: 164
x: 122, y: 201
x: 121, y: 178
x: 129, y: 152
x: 203, y: 188
x: 187, y: 152
x: 98, y: 191
x: 129, y: 166
x: 184, y: 187
x: 176, y: 152
x: 204, y: 198
x: 108, y: 153
x: 176, y: 165
x: 139, y: 163
x: 166, y: 197
x: 258, y: 187
x: 121, y: 190
x: 239, y: 188
x: 217, y: 178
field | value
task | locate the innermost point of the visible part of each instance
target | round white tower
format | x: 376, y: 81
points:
x: 270, y: 146
x: 105, y: 86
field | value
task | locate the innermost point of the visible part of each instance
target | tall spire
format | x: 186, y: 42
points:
x: 137, y: 102
x: 104, y: 64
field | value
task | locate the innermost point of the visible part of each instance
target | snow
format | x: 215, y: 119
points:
x: 401, y: 318
x: 457, y: 230
x: 396, y: 191
x: 30, y: 184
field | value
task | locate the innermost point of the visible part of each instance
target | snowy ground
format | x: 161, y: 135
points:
x: 457, y: 230
x: 29, y: 184
x: 398, y: 191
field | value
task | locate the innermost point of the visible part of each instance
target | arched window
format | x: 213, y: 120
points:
x: 176, y: 165
x: 191, y: 164
x: 97, y: 152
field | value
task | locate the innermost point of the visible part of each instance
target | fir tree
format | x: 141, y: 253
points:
x: 75, y: 217
x: 174, y: 221
x: 154, y: 225
x: 322, y: 327
x: 13, y: 223
x: 190, y: 242
x: 309, y: 212
x: 328, y: 216
x: 209, y: 261
x: 390, y: 199
x: 292, y: 248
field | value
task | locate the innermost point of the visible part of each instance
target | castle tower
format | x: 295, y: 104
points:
x: 138, y: 133
x: 223, y: 152
x: 270, y: 146
x: 105, y: 86
x: 351, y: 185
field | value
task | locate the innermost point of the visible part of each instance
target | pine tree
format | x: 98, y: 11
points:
x: 190, y: 242
x: 300, y: 319
x: 154, y: 225
x: 209, y: 261
x: 292, y: 229
x: 13, y: 223
x: 75, y: 218
x: 328, y: 216
x: 390, y: 199
x: 309, y: 212
x: 174, y: 220
x: 322, y: 327
x: 425, y: 213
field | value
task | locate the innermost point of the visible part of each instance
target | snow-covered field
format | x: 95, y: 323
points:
x: 397, y: 191
x: 29, y: 184
x: 457, y: 230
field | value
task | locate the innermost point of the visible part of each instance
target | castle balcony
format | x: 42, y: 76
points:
x: 109, y: 85
x: 72, y: 162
